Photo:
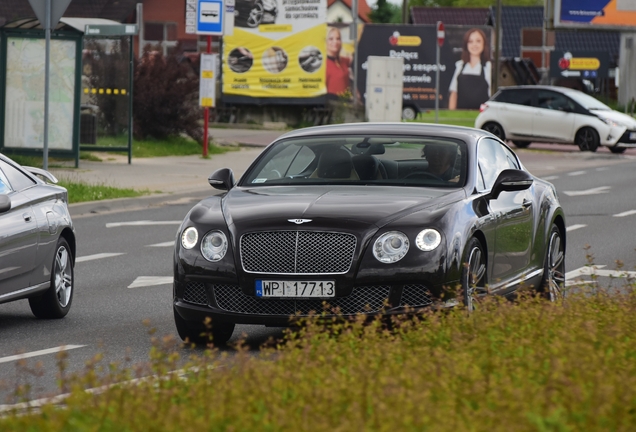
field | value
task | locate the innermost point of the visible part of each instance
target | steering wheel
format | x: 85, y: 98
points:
x: 422, y: 175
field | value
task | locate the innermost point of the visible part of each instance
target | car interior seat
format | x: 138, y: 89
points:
x: 335, y: 164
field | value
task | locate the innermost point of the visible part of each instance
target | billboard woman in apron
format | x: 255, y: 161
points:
x: 470, y: 86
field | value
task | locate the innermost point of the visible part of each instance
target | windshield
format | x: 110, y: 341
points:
x: 588, y: 102
x: 362, y: 160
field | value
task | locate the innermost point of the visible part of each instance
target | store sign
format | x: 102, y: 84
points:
x: 579, y: 64
x: 598, y: 14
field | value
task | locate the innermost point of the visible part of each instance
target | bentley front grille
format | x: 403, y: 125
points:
x: 415, y: 296
x: 362, y: 300
x: 195, y: 293
x: 297, y: 252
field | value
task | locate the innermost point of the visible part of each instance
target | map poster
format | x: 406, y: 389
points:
x: 24, y: 101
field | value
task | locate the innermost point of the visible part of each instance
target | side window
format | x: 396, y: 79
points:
x: 17, y: 179
x: 547, y: 99
x: 4, y: 184
x: 516, y: 96
x: 493, y: 158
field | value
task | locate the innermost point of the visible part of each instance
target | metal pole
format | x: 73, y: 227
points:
x: 497, y: 47
x: 47, y: 71
x: 405, y: 11
x: 354, y: 36
x: 206, y: 110
x: 131, y: 82
x: 437, y: 84
x: 140, y: 24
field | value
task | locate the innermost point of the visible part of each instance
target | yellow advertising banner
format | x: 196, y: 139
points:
x: 289, y: 67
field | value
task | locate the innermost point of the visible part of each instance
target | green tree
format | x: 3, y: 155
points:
x: 384, y: 12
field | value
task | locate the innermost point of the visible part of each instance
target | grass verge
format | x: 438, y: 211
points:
x: 174, y: 146
x: 455, y: 117
x: 527, y: 365
x: 82, y: 192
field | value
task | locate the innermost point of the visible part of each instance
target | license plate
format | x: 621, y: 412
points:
x: 632, y: 136
x: 299, y: 289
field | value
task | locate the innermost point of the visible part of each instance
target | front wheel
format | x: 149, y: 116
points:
x: 521, y: 144
x: 553, y: 283
x: 408, y: 113
x: 587, y: 139
x: 218, y: 333
x: 495, y: 129
x: 473, y: 274
x: 617, y: 150
x: 56, y: 301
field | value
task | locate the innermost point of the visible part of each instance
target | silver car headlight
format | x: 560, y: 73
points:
x: 189, y: 238
x: 391, y: 247
x: 428, y: 239
x: 214, y: 246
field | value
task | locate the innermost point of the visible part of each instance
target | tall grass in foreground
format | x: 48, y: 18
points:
x: 523, y: 366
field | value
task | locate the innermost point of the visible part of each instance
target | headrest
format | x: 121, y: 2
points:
x: 335, y: 164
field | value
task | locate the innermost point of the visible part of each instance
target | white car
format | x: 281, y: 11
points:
x: 527, y: 114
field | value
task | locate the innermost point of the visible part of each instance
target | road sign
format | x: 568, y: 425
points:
x: 207, y: 81
x: 210, y: 15
x: 191, y: 16
x: 441, y: 34
x: 58, y: 7
x: 579, y: 64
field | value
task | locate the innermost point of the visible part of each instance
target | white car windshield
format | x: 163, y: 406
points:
x: 588, y: 102
x: 371, y: 159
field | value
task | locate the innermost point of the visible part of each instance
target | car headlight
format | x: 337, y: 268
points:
x: 189, y: 238
x: 391, y: 247
x: 609, y: 122
x: 214, y: 246
x: 428, y: 239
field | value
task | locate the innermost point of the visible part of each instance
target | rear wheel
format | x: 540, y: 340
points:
x: 199, y: 334
x: 587, y: 139
x: 408, y: 113
x: 56, y: 301
x: 521, y: 144
x: 495, y: 129
x: 553, y: 284
x: 617, y: 150
x: 473, y: 274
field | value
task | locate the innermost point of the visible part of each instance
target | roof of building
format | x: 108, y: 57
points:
x: 363, y: 8
x: 450, y: 15
x: 116, y: 10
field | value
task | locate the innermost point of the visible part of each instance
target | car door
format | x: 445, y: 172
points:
x: 514, y: 219
x: 18, y: 232
x: 554, y: 117
x: 514, y: 112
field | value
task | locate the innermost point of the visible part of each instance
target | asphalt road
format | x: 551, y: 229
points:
x: 117, y: 292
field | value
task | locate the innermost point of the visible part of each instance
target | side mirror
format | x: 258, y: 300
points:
x: 222, y: 179
x: 511, y: 180
x: 5, y: 203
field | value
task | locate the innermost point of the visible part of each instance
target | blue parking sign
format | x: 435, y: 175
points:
x: 210, y: 17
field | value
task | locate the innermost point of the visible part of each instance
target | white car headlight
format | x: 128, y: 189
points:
x: 391, y: 247
x: 214, y: 246
x: 610, y: 122
x: 189, y: 238
x: 428, y: 239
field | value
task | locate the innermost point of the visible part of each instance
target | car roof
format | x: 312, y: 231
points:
x: 390, y: 128
x: 541, y: 87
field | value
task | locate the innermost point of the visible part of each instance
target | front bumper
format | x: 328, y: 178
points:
x: 628, y: 139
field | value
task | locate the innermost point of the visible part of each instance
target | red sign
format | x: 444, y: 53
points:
x: 440, y: 33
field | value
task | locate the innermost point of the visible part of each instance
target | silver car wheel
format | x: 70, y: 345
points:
x: 556, y: 267
x: 63, y: 276
x: 475, y: 275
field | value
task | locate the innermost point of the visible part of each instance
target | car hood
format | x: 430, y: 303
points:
x: 355, y: 208
x: 618, y: 117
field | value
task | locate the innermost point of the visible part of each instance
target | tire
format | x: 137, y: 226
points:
x: 495, y: 129
x: 199, y: 334
x: 255, y: 17
x: 409, y: 113
x: 473, y: 274
x: 521, y: 144
x: 618, y: 150
x: 56, y: 301
x: 553, y: 282
x: 587, y: 139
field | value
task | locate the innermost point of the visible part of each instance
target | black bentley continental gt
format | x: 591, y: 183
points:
x: 367, y: 218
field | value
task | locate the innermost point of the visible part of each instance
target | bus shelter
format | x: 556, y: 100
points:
x: 90, y: 93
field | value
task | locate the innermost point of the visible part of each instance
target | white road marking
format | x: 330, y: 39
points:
x: 39, y: 353
x: 548, y: 178
x: 625, y: 213
x: 141, y: 223
x: 165, y: 244
x: 576, y: 173
x: 97, y: 256
x: 144, y: 281
x: 598, y: 270
x: 593, y: 191
x: 574, y: 227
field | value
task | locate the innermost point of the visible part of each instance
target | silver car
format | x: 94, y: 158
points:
x: 37, y: 240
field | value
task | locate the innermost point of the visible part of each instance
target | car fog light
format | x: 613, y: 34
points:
x: 214, y: 246
x: 189, y: 238
x: 391, y: 247
x: 428, y: 239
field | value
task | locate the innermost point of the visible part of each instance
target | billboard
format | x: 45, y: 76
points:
x: 465, y: 62
x: 579, y: 64
x: 277, y: 53
x: 598, y: 14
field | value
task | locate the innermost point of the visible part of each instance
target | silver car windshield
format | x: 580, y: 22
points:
x: 381, y: 160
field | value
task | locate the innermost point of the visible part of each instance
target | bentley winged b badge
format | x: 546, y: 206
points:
x: 298, y: 221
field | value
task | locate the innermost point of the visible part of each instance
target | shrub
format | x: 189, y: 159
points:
x: 165, y: 99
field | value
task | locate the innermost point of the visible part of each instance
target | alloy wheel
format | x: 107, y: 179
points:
x: 256, y: 15
x: 63, y: 276
x: 475, y: 276
x: 556, y: 267
x: 495, y: 129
